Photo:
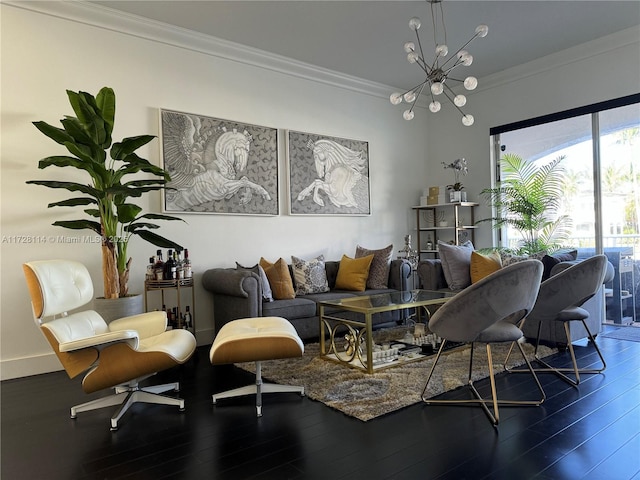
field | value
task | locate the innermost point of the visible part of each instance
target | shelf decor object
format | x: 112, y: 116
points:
x: 438, y: 72
x: 450, y: 226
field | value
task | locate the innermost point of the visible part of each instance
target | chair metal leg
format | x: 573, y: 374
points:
x: 494, y: 416
x: 258, y: 389
x: 574, y: 369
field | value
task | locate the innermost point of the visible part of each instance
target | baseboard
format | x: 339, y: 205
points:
x: 27, y: 366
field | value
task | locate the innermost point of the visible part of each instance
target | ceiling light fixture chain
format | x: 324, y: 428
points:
x: 439, y: 71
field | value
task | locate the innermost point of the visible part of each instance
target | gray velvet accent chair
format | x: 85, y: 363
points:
x: 489, y: 312
x: 560, y: 301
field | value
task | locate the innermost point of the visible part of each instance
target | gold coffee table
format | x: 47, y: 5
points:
x: 359, y: 333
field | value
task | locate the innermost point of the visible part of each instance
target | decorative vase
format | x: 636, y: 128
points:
x: 112, y: 309
x: 454, y: 196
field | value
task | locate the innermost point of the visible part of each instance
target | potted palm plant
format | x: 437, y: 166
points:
x: 527, y: 198
x: 107, y: 197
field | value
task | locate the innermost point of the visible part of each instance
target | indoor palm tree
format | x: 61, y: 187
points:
x: 528, y: 198
x: 111, y: 215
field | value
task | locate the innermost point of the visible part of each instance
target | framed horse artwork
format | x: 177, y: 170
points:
x: 327, y: 175
x: 218, y: 166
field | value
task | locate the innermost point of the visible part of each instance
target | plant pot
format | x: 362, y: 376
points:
x: 457, y: 196
x: 112, y: 309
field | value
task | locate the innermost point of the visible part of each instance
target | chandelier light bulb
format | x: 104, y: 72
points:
x: 437, y: 88
x: 435, y: 106
x: 414, y: 23
x: 467, y: 120
x: 482, y: 30
x: 395, y: 98
x: 460, y: 100
x: 466, y: 59
x: 409, y: 47
x: 408, y: 115
x: 470, y: 83
x: 409, y: 97
x: 412, y: 57
x: 442, y: 51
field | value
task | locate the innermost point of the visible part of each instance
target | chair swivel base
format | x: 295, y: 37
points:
x: 127, y: 395
x: 258, y: 389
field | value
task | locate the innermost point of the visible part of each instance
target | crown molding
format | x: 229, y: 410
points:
x: 106, y: 18
x: 584, y: 51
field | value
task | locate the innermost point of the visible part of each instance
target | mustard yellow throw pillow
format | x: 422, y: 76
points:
x: 279, y: 278
x: 353, y: 273
x: 483, y: 265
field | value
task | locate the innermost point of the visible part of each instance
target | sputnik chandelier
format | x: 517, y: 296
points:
x: 438, y: 73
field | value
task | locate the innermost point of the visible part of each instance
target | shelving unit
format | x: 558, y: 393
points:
x: 176, y: 289
x: 620, y: 301
x: 460, y: 225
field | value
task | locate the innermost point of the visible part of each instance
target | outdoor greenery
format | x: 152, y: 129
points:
x: 87, y: 137
x: 527, y: 199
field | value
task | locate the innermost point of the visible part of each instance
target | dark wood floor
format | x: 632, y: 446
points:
x: 590, y: 432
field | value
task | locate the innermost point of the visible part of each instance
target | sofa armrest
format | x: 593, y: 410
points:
x: 236, y: 294
x: 431, y: 274
x: 399, y: 273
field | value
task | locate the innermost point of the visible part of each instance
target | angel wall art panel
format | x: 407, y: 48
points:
x: 219, y: 166
x: 327, y: 175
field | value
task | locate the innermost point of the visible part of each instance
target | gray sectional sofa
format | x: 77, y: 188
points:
x: 237, y: 293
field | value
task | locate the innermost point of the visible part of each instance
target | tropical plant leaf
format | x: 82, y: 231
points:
x: 58, y: 135
x: 79, y: 225
x: 158, y: 240
x: 73, y: 202
x: 120, y: 150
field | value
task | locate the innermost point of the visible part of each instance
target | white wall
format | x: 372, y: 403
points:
x: 43, y: 55
x: 596, y: 71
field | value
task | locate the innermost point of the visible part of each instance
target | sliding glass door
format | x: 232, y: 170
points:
x: 600, y: 151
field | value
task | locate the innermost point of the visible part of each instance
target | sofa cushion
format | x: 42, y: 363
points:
x: 456, y: 264
x: 279, y: 278
x: 379, y: 270
x: 309, y: 276
x: 267, y: 294
x: 483, y: 265
x: 353, y: 273
x: 291, y: 309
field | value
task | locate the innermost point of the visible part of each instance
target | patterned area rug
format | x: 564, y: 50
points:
x: 365, y: 396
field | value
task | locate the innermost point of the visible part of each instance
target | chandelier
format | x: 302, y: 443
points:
x: 438, y: 72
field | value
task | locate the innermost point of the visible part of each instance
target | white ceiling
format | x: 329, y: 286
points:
x: 365, y: 38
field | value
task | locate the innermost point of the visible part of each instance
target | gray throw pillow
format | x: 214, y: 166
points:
x: 456, y: 264
x: 267, y: 294
x: 379, y: 270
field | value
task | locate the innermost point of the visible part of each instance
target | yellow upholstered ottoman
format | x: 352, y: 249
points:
x: 256, y: 340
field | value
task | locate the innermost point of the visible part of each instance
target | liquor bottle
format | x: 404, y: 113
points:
x: 187, y: 318
x: 176, y: 317
x: 151, y: 274
x: 159, y: 265
x: 179, y: 266
x: 186, y: 265
x: 170, y: 267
